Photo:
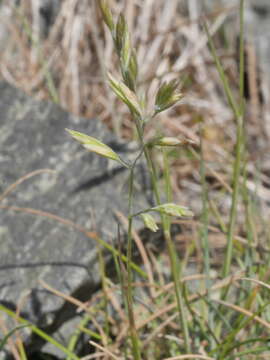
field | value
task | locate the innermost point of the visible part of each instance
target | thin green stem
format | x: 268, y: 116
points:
x: 241, y: 55
x: 239, y: 153
x: 102, y: 271
x: 222, y: 74
x: 129, y: 294
x: 22, y: 352
x: 238, y: 113
x: 176, y: 272
x: 204, y: 231
x: 168, y: 187
x: 129, y: 297
x: 205, y: 220
x: 166, y: 230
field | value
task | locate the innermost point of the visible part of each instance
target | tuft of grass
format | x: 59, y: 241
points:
x: 167, y: 96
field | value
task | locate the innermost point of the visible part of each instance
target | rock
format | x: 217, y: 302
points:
x: 37, y: 238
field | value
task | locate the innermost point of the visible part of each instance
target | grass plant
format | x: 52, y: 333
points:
x: 166, y: 97
x: 167, y: 310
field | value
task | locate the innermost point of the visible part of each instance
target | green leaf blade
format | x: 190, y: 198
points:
x: 167, y: 96
x: 107, y: 15
x: 126, y: 95
x: 94, y: 145
x: 149, y: 222
x: 172, y: 209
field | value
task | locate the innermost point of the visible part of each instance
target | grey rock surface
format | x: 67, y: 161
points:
x: 85, y: 189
